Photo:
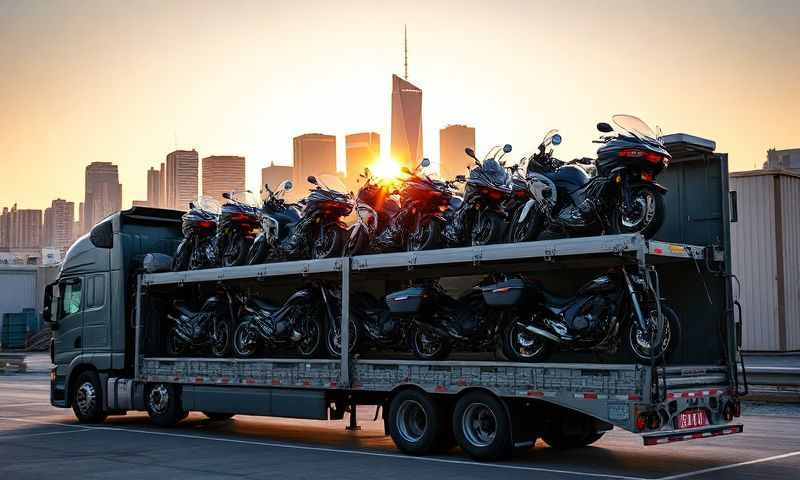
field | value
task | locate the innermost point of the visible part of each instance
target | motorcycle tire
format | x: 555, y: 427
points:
x: 649, y: 199
x: 526, y: 231
x: 180, y: 262
x: 333, y: 341
x: 417, y: 339
x: 330, y: 244
x: 257, y: 253
x: 221, y: 345
x: 637, y: 345
x: 487, y: 229
x: 235, y: 251
x: 309, y: 345
x: 428, y: 237
x: 519, y: 345
x: 243, y: 345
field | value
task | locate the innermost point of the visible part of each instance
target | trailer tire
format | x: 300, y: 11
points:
x: 164, y: 404
x: 87, y: 398
x: 218, y: 416
x: 416, y: 423
x: 482, y: 426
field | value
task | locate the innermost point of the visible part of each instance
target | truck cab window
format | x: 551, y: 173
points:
x: 70, y: 298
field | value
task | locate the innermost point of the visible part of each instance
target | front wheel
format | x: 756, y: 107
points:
x: 330, y: 242
x: 245, y: 341
x: 427, y: 237
x: 428, y: 346
x: 522, y: 345
x: 487, y: 229
x: 645, y: 215
x: 221, y: 339
x: 87, y: 398
x: 528, y: 229
x: 333, y: 339
x: 638, y: 343
x: 310, y: 330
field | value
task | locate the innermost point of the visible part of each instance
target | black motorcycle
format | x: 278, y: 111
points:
x: 480, y: 219
x: 616, y: 306
x: 198, y: 249
x: 320, y: 233
x: 278, y: 219
x: 197, y: 331
x: 306, y: 320
x: 622, y: 198
x: 439, y: 322
x: 376, y: 204
x: 378, y: 327
x: 239, y: 223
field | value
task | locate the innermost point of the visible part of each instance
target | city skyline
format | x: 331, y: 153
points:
x: 70, y: 98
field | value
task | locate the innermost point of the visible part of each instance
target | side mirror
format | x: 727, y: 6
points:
x: 556, y: 139
x: 226, y: 195
x: 470, y: 152
x: 405, y: 170
x: 604, y: 127
x: 288, y: 186
x: 425, y: 163
x: 312, y: 180
x: 507, y: 148
x: 191, y: 205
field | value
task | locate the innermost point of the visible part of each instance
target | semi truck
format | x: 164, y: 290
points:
x: 109, y: 357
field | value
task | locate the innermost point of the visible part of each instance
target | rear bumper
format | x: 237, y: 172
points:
x: 661, y: 438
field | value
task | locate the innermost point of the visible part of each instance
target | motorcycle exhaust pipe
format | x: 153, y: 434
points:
x: 542, y: 333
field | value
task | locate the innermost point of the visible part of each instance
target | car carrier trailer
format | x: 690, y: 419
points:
x: 486, y: 406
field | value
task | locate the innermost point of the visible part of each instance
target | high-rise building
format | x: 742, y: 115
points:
x: 788, y: 159
x: 223, y: 173
x: 273, y: 175
x: 181, y: 181
x: 314, y: 154
x: 155, y: 187
x: 406, y: 122
x: 363, y: 150
x: 453, y: 139
x: 20, y: 228
x: 103, y: 192
x: 81, y: 229
x: 59, y: 219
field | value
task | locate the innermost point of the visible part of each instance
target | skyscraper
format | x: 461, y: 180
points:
x: 181, y: 182
x: 103, y: 192
x: 362, y: 150
x: 59, y: 219
x: 406, y: 122
x: 155, y: 187
x: 223, y: 173
x: 453, y: 139
x: 273, y: 175
x: 20, y: 228
x: 314, y: 154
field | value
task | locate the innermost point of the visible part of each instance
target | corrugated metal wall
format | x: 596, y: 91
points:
x: 790, y: 200
x: 17, y: 290
x: 754, y: 260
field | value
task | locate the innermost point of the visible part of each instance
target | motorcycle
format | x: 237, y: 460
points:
x: 320, y: 232
x: 614, y: 306
x: 622, y: 198
x: 199, y: 226
x: 418, y: 224
x: 278, y: 219
x: 439, y: 322
x: 377, y: 326
x: 480, y: 218
x: 306, y: 319
x: 193, y: 331
x: 376, y: 205
x: 238, y: 225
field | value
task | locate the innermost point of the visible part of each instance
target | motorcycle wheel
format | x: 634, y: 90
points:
x: 245, y: 341
x: 647, y: 216
x: 311, y: 329
x: 526, y: 231
x: 428, y: 237
x: 426, y: 346
x: 235, y: 251
x: 180, y: 262
x: 520, y: 345
x: 638, y: 343
x: 330, y: 243
x: 359, y: 246
x: 333, y: 340
x: 487, y: 229
x: 221, y: 342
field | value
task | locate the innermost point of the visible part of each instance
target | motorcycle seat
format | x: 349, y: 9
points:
x: 555, y: 300
x: 264, y: 305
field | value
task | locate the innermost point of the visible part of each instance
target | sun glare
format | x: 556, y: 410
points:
x: 386, y: 168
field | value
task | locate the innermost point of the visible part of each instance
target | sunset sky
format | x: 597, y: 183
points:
x: 127, y: 82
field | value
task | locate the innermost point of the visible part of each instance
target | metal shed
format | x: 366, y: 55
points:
x: 765, y: 244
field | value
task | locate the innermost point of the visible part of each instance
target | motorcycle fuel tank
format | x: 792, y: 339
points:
x: 570, y: 178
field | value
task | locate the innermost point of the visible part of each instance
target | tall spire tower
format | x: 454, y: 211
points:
x: 405, y: 52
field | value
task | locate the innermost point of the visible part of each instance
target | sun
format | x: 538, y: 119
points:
x: 386, y: 168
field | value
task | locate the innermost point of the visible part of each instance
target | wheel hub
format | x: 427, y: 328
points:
x: 158, y: 399
x: 86, y: 398
x: 412, y: 422
x: 479, y: 425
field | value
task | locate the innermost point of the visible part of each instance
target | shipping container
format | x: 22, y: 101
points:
x: 765, y: 245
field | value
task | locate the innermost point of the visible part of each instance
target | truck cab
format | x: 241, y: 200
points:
x: 89, y: 307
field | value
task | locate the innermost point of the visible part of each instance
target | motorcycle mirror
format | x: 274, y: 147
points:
x: 312, y: 179
x: 507, y: 148
x: 470, y: 152
x: 288, y: 185
x: 556, y: 139
x: 191, y: 205
x: 425, y: 163
x: 604, y: 127
x: 226, y: 196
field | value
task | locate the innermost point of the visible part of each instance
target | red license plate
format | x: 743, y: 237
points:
x: 692, y: 419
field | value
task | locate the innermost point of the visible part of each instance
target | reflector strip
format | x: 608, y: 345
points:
x: 679, y: 437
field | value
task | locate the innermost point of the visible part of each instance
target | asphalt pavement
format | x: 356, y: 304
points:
x: 40, y: 441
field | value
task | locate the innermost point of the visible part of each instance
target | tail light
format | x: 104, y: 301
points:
x: 493, y: 194
x: 651, y: 157
x: 647, y: 176
x: 205, y: 224
x: 242, y: 217
x: 521, y: 193
x: 648, y: 421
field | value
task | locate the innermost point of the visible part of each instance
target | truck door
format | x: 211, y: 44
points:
x: 69, y: 336
x: 96, y: 313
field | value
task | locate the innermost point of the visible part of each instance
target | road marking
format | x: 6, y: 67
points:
x: 14, y: 437
x: 732, y: 465
x: 25, y: 404
x: 337, y: 450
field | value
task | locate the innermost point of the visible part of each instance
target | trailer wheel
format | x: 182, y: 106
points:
x: 164, y: 404
x: 218, y: 416
x: 482, y: 427
x: 416, y: 423
x: 87, y: 398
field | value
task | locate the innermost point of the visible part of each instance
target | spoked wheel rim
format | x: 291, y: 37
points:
x: 308, y: 345
x: 219, y: 344
x: 245, y: 341
x: 158, y: 399
x: 427, y: 345
x: 86, y: 399
x: 412, y: 421
x: 420, y: 237
x: 640, y: 341
x: 483, y: 232
x: 479, y: 425
x: 519, y: 231
x: 642, y: 213
x: 335, y: 339
x: 525, y: 343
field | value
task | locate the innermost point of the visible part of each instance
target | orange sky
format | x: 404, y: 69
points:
x: 127, y: 82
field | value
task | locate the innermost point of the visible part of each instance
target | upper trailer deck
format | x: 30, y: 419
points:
x: 600, y: 251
